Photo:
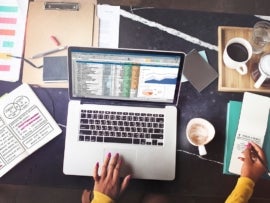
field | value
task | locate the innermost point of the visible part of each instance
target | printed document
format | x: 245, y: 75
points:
x: 12, y: 31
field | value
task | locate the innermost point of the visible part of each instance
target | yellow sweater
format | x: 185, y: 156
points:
x: 101, y: 198
x: 242, y: 191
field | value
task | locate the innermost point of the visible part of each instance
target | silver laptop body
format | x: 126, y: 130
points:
x: 116, y: 96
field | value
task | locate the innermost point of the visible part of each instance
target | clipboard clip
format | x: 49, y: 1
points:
x: 71, y: 6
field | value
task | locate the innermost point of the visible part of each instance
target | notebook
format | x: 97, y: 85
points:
x: 123, y: 101
x: 252, y: 126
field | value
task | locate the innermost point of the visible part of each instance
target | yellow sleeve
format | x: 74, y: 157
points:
x: 242, y: 191
x: 101, y: 198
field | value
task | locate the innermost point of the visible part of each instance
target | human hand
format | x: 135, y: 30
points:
x: 252, y: 166
x: 108, y: 182
x: 86, y: 196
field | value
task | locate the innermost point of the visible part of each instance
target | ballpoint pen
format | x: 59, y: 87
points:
x: 49, y: 52
x: 255, y: 153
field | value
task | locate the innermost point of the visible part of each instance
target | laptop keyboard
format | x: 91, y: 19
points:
x: 121, y: 127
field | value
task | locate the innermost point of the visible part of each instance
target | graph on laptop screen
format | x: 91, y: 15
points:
x: 125, y: 76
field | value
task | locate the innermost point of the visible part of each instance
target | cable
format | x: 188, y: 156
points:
x: 26, y: 60
x: 189, y: 153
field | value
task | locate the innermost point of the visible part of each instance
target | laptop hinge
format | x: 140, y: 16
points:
x: 123, y: 103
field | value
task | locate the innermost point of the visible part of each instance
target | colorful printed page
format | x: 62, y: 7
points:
x: 13, y: 15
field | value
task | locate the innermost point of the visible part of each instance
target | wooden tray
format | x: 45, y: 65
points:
x: 230, y: 80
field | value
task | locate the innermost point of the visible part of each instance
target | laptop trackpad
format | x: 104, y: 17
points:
x: 129, y: 157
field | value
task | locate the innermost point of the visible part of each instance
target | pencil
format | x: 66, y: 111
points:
x: 49, y: 52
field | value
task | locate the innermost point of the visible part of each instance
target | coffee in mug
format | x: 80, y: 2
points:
x: 236, y: 54
x: 199, y: 132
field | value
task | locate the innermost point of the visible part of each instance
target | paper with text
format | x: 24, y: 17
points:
x: 25, y: 126
x: 252, y: 127
x: 12, y: 31
x: 109, y: 17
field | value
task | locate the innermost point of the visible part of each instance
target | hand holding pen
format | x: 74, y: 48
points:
x: 254, y: 162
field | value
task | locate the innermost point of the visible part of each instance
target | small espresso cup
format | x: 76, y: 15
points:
x: 200, y: 132
x: 236, y: 54
x: 264, y: 69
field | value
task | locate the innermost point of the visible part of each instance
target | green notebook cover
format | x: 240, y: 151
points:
x: 232, y: 120
x: 233, y: 116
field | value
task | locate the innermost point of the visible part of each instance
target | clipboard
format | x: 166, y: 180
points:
x: 70, y: 27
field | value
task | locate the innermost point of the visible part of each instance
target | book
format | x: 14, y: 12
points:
x: 232, y: 121
x: 55, y: 69
x: 25, y: 126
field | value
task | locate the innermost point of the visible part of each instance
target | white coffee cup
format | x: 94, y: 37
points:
x: 200, y: 132
x: 264, y: 68
x: 236, y: 54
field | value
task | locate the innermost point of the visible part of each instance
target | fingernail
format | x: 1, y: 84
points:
x: 129, y: 177
x: 109, y: 154
x: 120, y: 161
x: 248, y: 145
x: 97, y: 164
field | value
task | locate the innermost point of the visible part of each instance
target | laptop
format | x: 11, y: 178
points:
x: 123, y: 101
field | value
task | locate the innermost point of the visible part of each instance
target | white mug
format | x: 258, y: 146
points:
x: 200, y: 132
x: 264, y: 68
x: 236, y: 54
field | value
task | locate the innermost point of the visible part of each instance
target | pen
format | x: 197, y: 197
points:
x: 48, y: 52
x: 253, y: 151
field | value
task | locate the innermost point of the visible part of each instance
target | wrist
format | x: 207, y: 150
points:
x: 254, y: 176
x: 248, y: 179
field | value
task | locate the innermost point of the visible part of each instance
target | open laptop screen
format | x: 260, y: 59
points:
x: 122, y: 74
